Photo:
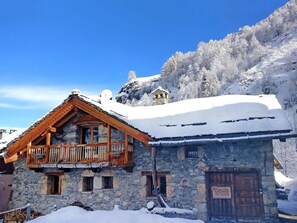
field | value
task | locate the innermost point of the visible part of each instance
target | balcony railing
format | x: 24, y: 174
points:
x: 80, y: 154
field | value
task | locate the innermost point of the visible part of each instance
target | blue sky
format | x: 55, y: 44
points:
x: 48, y: 48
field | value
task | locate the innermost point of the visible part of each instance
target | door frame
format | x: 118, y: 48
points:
x: 233, y: 171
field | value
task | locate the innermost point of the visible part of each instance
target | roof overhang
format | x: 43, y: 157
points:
x: 199, y: 140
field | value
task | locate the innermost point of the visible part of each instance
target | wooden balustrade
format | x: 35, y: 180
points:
x: 79, y: 154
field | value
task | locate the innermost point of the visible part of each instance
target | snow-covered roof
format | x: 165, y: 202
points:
x: 229, y: 114
x: 8, y: 138
x: 224, y: 117
x: 159, y: 89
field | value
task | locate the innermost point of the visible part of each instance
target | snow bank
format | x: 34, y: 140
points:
x: 293, y: 191
x: 289, y: 206
x: 74, y: 214
x: 281, y: 179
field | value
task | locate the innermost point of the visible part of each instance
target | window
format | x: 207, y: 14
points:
x: 89, y: 135
x: 192, y: 153
x: 88, y: 183
x: 161, y: 185
x: 107, y: 182
x: 54, y: 184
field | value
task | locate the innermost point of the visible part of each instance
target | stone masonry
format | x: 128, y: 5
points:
x: 185, y: 179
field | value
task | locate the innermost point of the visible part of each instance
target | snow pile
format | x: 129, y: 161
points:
x: 74, y: 214
x: 289, y: 206
x: 281, y: 179
x: 293, y: 191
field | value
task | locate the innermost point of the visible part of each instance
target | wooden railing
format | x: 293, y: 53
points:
x: 80, y: 153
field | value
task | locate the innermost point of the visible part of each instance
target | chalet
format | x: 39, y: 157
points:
x: 212, y: 154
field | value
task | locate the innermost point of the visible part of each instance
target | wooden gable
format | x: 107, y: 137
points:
x: 61, y: 115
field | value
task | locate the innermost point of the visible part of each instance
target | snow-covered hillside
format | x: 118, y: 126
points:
x: 261, y: 59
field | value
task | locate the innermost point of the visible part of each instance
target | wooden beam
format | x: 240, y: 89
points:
x: 28, y: 152
x: 126, y: 158
x: 38, y: 140
x: 111, y: 120
x: 40, y: 127
x: 48, y: 143
x: 11, y: 158
x: 66, y: 118
x: 87, y: 119
x: 51, y: 129
x: 109, y: 143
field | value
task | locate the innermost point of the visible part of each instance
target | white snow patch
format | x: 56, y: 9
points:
x: 9, y: 137
x: 281, y: 179
x: 289, y: 206
x: 77, y: 215
x: 149, y: 78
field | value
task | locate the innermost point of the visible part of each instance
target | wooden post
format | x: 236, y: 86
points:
x: 29, y: 152
x: 154, y: 172
x: 126, y: 149
x: 48, y: 143
x: 109, y: 143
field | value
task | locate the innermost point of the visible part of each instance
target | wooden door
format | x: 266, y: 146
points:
x: 221, y: 208
x: 234, y: 196
x: 248, y: 200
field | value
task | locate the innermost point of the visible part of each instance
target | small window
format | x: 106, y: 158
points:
x: 89, y: 135
x: 161, y: 185
x: 192, y: 153
x: 107, y: 182
x: 54, y: 184
x: 88, y: 183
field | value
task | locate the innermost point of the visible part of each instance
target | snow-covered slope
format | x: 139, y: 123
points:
x: 255, y: 60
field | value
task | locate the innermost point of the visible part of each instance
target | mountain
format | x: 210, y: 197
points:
x: 261, y: 59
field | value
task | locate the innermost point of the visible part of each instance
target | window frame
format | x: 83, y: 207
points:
x: 91, y: 128
x: 54, y: 184
x: 191, y: 153
x: 107, y: 182
x: 88, y: 184
x: 161, y: 180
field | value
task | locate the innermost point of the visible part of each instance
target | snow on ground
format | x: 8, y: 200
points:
x: 289, y: 206
x: 74, y: 214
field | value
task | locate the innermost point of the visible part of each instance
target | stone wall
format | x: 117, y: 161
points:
x: 250, y: 154
x: 185, y: 179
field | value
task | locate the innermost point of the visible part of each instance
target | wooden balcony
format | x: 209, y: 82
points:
x: 81, y: 155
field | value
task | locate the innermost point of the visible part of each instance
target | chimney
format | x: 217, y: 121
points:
x: 3, y: 132
x: 160, y: 96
